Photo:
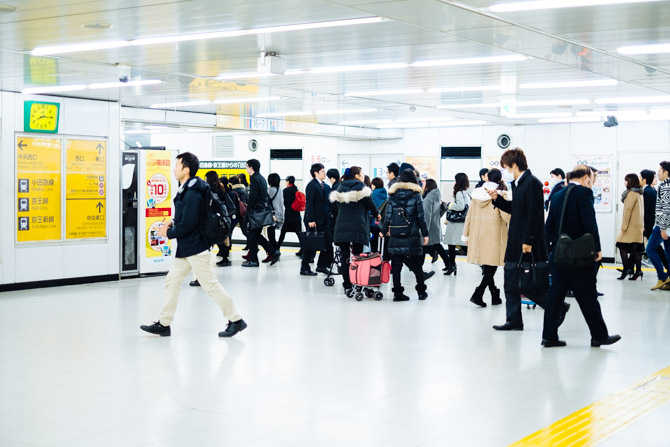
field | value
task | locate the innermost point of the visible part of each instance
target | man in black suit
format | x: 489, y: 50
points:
x: 526, y: 236
x: 579, y: 219
x: 316, y: 219
x: 258, y: 199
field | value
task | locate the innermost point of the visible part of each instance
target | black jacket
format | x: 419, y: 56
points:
x: 526, y: 224
x: 332, y: 212
x: 649, y: 197
x: 258, y: 192
x: 407, y: 196
x: 580, y: 215
x: 290, y: 216
x: 352, y: 222
x: 189, y: 211
x: 557, y: 187
x: 241, y: 192
x: 316, y: 203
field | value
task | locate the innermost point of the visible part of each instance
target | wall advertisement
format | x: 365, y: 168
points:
x: 225, y: 168
x: 427, y: 166
x: 602, y: 189
x: 158, y: 201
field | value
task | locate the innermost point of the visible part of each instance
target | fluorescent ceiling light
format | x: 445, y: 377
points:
x: 418, y: 120
x: 53, y: 89
x: 540, y: 115
x: 245, y: 75
x: 139, y: 132
x: 403, y: 126
x: 432, y: 124
x: 315, y: 112
x: 76, y: 48
x: 492, y: 105
x: 634, y: 100
x: 470, y: 60
x: 656, y: 48
x: 477, y: 88
x: 357, y: 123
x: 363, y: 67
x: 169, y: 105
x: 157, y: 127
x: 570, y: 120
x: 554, y: 102
x: 618, y: 113
x: 571, y: 84
x: 407, y: 91
x: 461, y: 123
x: 124, y: 84
x: 554, y: 4
x: 247, y: 99
x: 198, y: 130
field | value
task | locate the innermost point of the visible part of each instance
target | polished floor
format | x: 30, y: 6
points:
x: 314, y: 368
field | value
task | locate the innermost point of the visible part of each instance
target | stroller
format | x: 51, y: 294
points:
x: 329, y: 280
x: 368, y: 271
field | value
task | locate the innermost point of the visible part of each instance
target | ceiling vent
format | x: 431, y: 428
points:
x: 461, y: 152
x: 223, y: 146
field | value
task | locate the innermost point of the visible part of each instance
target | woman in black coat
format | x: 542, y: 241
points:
x: 292, y: 219
x: 217, y: 188
x: 408, y: 232
x: 352, y: 221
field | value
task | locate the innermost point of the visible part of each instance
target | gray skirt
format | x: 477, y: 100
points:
x: 453, y: 233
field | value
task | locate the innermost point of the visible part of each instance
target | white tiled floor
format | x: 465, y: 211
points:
x: 314, y: 368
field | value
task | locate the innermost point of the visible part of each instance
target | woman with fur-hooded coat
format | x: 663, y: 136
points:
x: 352, y: 225
x: 405, y: 196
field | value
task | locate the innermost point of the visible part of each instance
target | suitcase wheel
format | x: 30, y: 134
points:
x: 359, y: 296
x: 369, y: 293
x: 329, y: 282
x: 378, y: 296
x: 351, y: 293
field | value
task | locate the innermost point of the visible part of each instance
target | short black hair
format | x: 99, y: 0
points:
x: 234, y: 180
x: 394, y: 168
x: 648, y: 175
x: 274, y: 180
x: 665, y: 165
x: 558, y: 172
x: 483, y: 171
x: 316, y: 167
x: 254, y: 164
x: 408, y: 176
x: 379, y: 183
x: 190, y: 161
x: 333, y: 173
x: 290, y: 180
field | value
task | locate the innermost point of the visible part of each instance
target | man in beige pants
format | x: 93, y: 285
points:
x: 192, y: 251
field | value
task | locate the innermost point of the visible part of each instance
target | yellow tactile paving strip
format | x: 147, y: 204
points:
x: 598, y: 421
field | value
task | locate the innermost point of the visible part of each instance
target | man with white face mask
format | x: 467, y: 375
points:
x: 526, y: 236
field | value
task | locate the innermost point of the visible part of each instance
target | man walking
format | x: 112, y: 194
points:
x: 192, y: 251
x: 392, y: 172
x: 579, y: 220
x: 316, y: 219
x: 661, y: 227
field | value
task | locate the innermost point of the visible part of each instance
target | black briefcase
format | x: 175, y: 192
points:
x: 312, y: 240
x: 533, y: 276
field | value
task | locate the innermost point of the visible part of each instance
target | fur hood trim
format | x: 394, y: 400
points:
x: 411, y: 186
x: 350, y: 196
x: 238, y: 186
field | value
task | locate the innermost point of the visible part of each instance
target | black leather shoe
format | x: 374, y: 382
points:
x: 508, y: 327
x: 553, y: 343
x: 435, y: 258
x: 275, y: 257
x: 428, y: 275
x: 323, y: 270
x: 564, y: 310
x: 608, y: 341
x: 223, y: 263
x: 250, y: 264
x: 233, y: 328
x: 158, y: 329
x: 307, y: 273
x: 194, y: 283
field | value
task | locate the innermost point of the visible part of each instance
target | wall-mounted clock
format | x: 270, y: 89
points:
x: 40, y: 116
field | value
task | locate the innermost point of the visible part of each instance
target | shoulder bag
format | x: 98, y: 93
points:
x: 260, y: 216
x: 573, y: 253
x: 458, y: 216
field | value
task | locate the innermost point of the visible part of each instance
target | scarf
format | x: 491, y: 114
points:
x: 625, y: 193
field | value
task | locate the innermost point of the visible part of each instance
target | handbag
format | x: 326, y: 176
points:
x: 573, y: 253
x: 457, y: 216
x: 312, y: 240
x: 533, y: 276
x: 444, y: 207
x: 260, y: 216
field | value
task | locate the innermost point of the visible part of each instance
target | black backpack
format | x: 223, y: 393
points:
x: 399, y: 226
x: 216, y: 225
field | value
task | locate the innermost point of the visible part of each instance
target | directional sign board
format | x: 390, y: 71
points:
x: 85, y: 189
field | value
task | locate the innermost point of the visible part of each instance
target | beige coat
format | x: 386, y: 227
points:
x: 632, y: 225
x: 486, y: 230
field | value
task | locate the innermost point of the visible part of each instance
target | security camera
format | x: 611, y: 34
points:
x: 123, y: 79
x: 611, y: 122
x: 123, y: 71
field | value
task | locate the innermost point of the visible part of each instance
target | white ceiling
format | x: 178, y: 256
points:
x: 568, y: 44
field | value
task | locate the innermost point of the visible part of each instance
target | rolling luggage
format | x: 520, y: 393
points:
x: 368, y: 271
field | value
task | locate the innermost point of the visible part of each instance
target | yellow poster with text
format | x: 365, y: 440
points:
x: 159, y: 201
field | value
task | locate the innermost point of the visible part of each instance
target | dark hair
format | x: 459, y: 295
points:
x: 234, y: 180
x: 316, y: 167
x: 495, y: 176
x: 333, y: 173
x: 254, y: 164
x: 665, y: 165
x: 462, y: 183
x: 290, y: 180
x: 274, y: 180
x: 430, y: 185
x: 408, y: 176
x: 213, y: 181
x: 578, y: 173
x: 632, y: 181
x: 379, y: 183
x: 514, y: 157
x: 190, y: 161
x: 593, y: 170
x: 224, y: 182
x: 243, y: 179
x: 366, y: 180
x: 483, y: 171
x: 558, y: 172
x: 351, y: 173
x: 394, y: 168
x: 648, y: 175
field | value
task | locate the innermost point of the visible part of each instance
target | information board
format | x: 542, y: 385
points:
x: 223, y: 168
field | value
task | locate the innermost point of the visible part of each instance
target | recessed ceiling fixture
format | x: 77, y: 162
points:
x: 476, y: 88
x: 124, y: 84
x: 97, y: 25
x: 53, y: 89
x: 554, y: 4
x: 634, y: 100
x: 407, y: 91
x: 315, y: 112
x: 92, y: 46
x: 470, y: 60
x: 554, y: 102
x: 654, y: 48
x: 492, y: 105
x: 571, y: 84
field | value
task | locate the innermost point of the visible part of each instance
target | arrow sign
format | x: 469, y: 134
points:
x: 100, y: 206
x: 100, y: 148
x: 21, y: 145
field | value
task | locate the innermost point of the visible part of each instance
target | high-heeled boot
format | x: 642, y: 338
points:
x: 452, y: 269
x: 478, y: 295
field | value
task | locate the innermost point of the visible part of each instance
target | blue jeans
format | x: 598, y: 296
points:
x: 654, y: 241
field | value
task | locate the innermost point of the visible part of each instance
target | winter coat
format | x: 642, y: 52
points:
x: 189, y: 211
x: 290, y: 216
x: 431, y: 208
x: 632, y: 225
x: 454, y: 230
x: 379, y: 196
x: 649, y: 209
x: 241, y: 192
x: 277, y: 204
x: 486, y: 229
x: 353, y: 201
x: 526, y: 224
x: 258, y: 192
x: 407, y: 196
x: 332, y: 209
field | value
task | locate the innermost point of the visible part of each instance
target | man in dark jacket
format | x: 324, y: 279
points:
x: 258, y: 200
x: 647, y: 177
x: 292, y: 221
x: 526, y: 237
x: 316, y: 219
x: 192, y: 250
x: 558, y: 176
x: 579, y: 220
x: 392, y: 172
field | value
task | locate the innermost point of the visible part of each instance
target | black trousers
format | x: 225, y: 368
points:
x: 452, y: 255
x: 255, y: 237
x: 288, y: 228
x: 513, y: 294
x: 325, y: 257
x: 414, y: 263
x: 345, y: 259
x: 439, y: 248
x: 488, y: 280
x: 582, y: 282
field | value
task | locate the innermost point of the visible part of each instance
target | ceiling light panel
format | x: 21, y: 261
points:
x: 570, y: 84
x: 124, y: 84
x: 538, y: 5
x: 554, y: 102
x: 409, y: 91
x: 476, y: 88
x: 53, y: 89
x: 316, y: 112
x: 541, y: 115
x: 470, y: 61
x: 657, y: 48
x: 634, y: 100
x: 493, y: 105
